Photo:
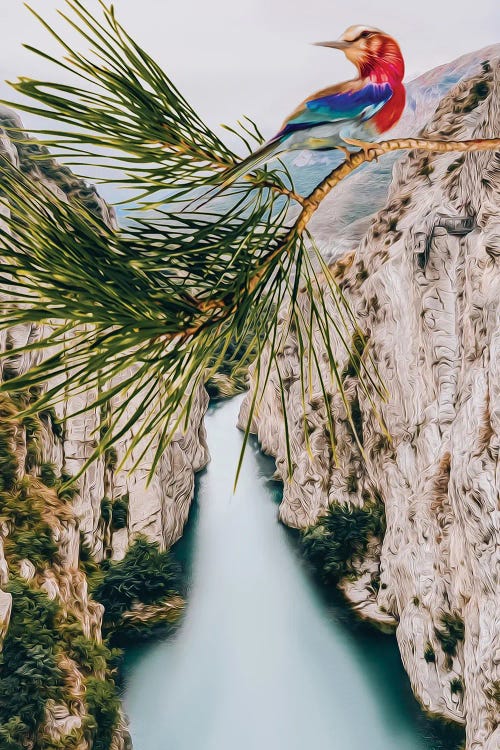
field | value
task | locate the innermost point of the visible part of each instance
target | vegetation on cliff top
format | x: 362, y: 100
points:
x: 43, y: 635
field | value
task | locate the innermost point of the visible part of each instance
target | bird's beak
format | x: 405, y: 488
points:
x: 339, y: 44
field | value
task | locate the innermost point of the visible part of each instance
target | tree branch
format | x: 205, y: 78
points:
x: 311, y: 203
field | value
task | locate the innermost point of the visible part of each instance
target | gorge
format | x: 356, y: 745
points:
x: 261, y: 659
x: 426, y: 296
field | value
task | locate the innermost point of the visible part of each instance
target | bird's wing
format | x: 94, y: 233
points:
x: 356, y: 99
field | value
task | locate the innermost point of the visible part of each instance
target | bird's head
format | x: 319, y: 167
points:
x: 375, y: 54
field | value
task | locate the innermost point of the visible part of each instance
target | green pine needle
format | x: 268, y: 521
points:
x: 150, y: 309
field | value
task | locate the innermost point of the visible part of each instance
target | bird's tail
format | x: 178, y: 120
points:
x: 256, y: 159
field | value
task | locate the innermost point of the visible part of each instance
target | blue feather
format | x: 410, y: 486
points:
x: 347, y: 105
x: 352, y: 106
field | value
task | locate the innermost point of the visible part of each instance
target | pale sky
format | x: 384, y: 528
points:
x: 254, y: 57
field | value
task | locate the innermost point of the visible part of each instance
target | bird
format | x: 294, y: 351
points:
x: 349, y: 114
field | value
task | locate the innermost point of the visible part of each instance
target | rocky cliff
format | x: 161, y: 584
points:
x: 370, y: 184
x: 47, y: 532
x: 424, y: 283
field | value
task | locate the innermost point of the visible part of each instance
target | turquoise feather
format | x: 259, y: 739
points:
x: 345, y: 105
x: 350, y: 114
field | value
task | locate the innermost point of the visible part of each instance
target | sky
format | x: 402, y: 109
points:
x: 254, y: 57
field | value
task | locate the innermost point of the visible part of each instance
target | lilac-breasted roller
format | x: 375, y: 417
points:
x: 353, y: 113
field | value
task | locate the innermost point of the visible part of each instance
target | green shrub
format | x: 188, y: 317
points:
x: 8, y: 461
x: 97, y: 662
x: 48, y: 475
x: 104, y: 711
x: 426, y: 168
x: 493, y: 691
x: 352, y: 483
x: 66, y: 487
x: 145, y: 575
x: 88, y: 564
x: 478, y: 92
x: 119, y: 516
x: 29, y: 674
x: 357, y: 419
x: 115, y: 512
x: 341, y: 536
x: 456, y: 164
x: 106, y: 509
x: 375, y: 581
x: 111, y: 458
x: 92, y: 657
x: 450, y: 632
x: 35, y: 544
x: 30, y: 536
x: 49, y: 417
x: 38, y: 631
x: 13, y: 734
x: 456, y: 685
x: 429, y: 653
x: 24, y: 502
x: 8, y: 465
x: 32, y: 428
x: 353, y: 365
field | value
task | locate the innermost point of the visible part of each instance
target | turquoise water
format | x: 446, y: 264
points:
x: 261, y: 661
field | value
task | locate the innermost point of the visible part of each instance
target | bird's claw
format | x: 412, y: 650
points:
x: 365, y: 146
x: 346, y: 151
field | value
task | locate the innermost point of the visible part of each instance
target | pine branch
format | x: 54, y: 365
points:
x: 152, y: 308
x: 312, y: 202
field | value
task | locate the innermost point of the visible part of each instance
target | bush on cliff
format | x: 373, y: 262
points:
x: 104, y: 711
x: 144, y: 576
x: 29, y: 674
x: 8, y: 460
x: 41, y: 632
x: 30, y: 536
x: 340, y: 537
x: 119, y: 513
x: 450, y: 632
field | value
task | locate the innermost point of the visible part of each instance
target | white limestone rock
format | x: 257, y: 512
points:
x: 434, y: 334
x: 158, y: 510
x: 5, y: 612
x: 27, y: 570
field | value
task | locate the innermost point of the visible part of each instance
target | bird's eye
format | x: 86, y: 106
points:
x: 364, y: 34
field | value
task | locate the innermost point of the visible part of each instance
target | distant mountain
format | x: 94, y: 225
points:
x: 344, y: 215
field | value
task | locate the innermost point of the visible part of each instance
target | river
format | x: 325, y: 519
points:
x: 261, y: 661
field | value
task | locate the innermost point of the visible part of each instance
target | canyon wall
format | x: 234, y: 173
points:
x: 102, y: 515
x: 157, y: 511
x: 424, y: 284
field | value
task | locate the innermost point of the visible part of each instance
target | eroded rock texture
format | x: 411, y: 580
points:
x: 427, y: 298
x: 110, y: 507
x: 158, y: 510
